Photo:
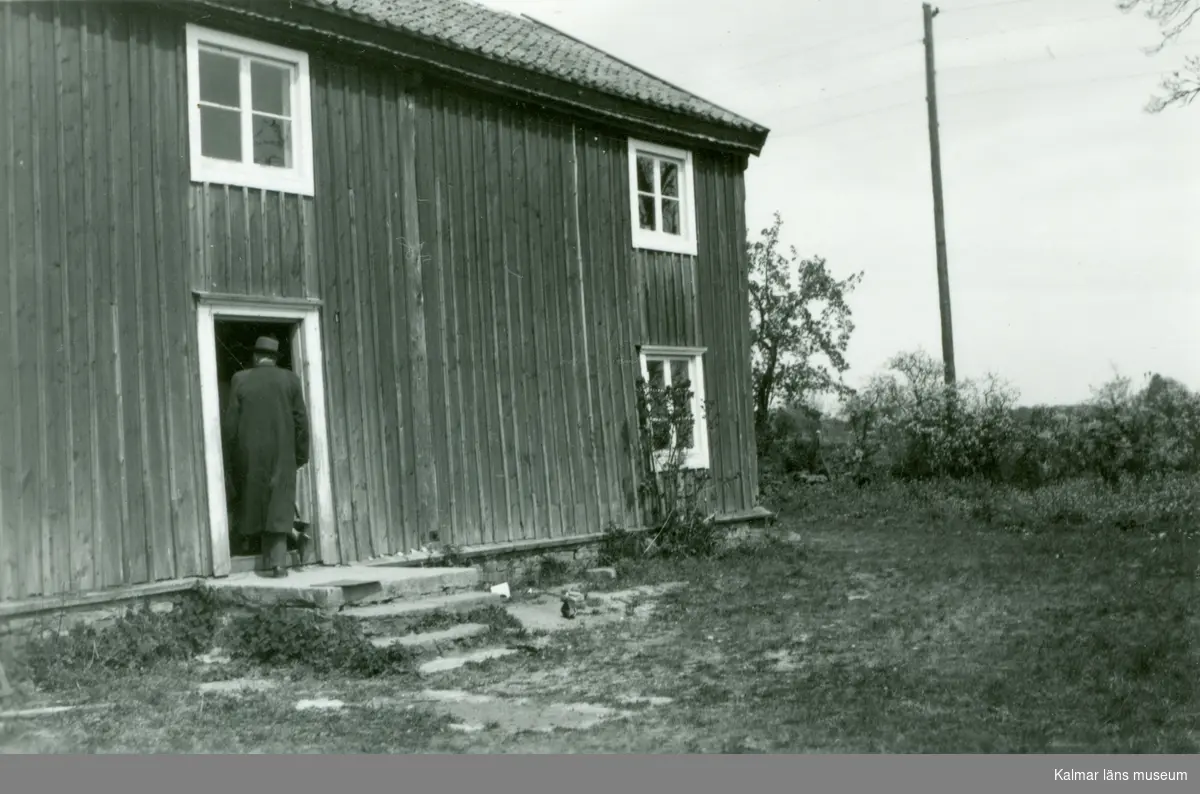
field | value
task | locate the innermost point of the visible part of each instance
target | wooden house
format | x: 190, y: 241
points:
x: 470, y: 230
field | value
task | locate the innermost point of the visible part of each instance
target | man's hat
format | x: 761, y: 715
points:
x: 266, y: 344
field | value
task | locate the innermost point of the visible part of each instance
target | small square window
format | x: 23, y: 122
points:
x: 672, y: 366
x: 663, y: 198
x: 249, y: 117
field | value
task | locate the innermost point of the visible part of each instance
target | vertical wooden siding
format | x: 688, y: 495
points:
x: 100, y: 483
x: 537, y: 302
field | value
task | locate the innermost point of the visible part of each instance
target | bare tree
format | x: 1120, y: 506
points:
x: 1173, y: 17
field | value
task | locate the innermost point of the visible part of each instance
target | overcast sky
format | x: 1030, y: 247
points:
x: 1072, y: 217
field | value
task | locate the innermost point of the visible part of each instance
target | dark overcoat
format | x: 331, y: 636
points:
x: 265, y: 431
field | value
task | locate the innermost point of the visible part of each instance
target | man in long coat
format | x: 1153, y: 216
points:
x: 266, y: 437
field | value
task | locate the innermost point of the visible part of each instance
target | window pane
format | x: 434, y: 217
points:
x: 679, y: 372
x: 272, y: 141
x: 646, y: 212
x: 670, y: 220
x: 270, y: 88
x: 645, y: 174
x: 221, y: 133
x: 655, y: 368
x: 669, y: 174
x: 219, y: 79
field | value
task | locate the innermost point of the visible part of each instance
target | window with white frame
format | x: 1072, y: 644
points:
x: 664, y: 367
x: 662, y: 197
x: 249, y: 116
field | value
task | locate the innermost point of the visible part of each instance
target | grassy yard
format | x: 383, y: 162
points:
x: 877, y: 624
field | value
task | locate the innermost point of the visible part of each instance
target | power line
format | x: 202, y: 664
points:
x: 1022, y: 28
x: 828, y: 43
x: 1056, y: 83
x: 994, y: 64
x: 978, y: 6
x: 1046, y: 58
x: 1000, y: 89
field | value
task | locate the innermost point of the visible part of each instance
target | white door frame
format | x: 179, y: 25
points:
x: 307, y: 352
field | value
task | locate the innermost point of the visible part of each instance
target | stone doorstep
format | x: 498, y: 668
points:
x: 333, y: 587
x: 433, y: 640
x: 454, y: 603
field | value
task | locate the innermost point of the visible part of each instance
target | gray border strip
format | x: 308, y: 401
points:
x: 582, y: 774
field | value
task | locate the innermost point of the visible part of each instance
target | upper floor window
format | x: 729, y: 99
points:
x: 249, y: 116
x: 662, y: 198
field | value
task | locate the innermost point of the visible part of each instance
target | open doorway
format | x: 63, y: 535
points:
x: 227, y: 327
x: 235, y: 338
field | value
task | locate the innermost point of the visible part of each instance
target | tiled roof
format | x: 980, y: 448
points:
x: 525, y: 43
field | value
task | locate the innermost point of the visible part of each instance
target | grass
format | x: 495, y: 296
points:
x: 902, y: 620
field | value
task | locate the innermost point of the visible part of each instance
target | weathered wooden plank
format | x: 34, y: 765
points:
x: 11, y: 147
x: 409, y: 534
x: 414, y: 310
x: 566, y: 296
x: 196, y: 554
x: 110, y: 551
x: 57, y: 432
x: 467, y: 260
x: 378, y: 367
x: 432, y: 124
x: 177, y: 306
x: 327, y: 142
x: 355, y: 314
x: 134, y: 561
x: 524, y: 234
x: 443, y: 161
x: 594, y: 207
x: 496, y: 328
x: 42, y: 93
x: 77, y: 299
x: 741, y: 347
x: 380, y: 105
x: 511, y: 185
x: 434, y: 281
x: 549, y: 353
x: 582, y: 351
x: 149, y: 366
x: 465, y: 509
x: 482, y: 400
x: 261, y: 274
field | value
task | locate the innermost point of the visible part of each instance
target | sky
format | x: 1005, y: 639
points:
x: 1073, y: 240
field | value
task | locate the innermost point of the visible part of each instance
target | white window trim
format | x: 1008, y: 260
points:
x: 297, y: 179
x: 657, y: 240
x: 698, y: 458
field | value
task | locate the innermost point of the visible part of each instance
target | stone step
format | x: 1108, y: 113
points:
x: 331, y: 587
x: 433, y: 641
x: 454, y: 603
x: 444, y: 664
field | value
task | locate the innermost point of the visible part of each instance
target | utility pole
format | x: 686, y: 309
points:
x: 939, y: 213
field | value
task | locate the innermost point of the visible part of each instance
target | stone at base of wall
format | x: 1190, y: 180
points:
x: 517, y: 566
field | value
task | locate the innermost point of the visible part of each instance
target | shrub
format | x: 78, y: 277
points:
x: 283, y: 637
x: 139, y: 639
x: 674, y: 499
x: 908, y: 424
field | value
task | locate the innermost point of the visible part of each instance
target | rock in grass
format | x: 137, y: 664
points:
x: 600, y: 574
